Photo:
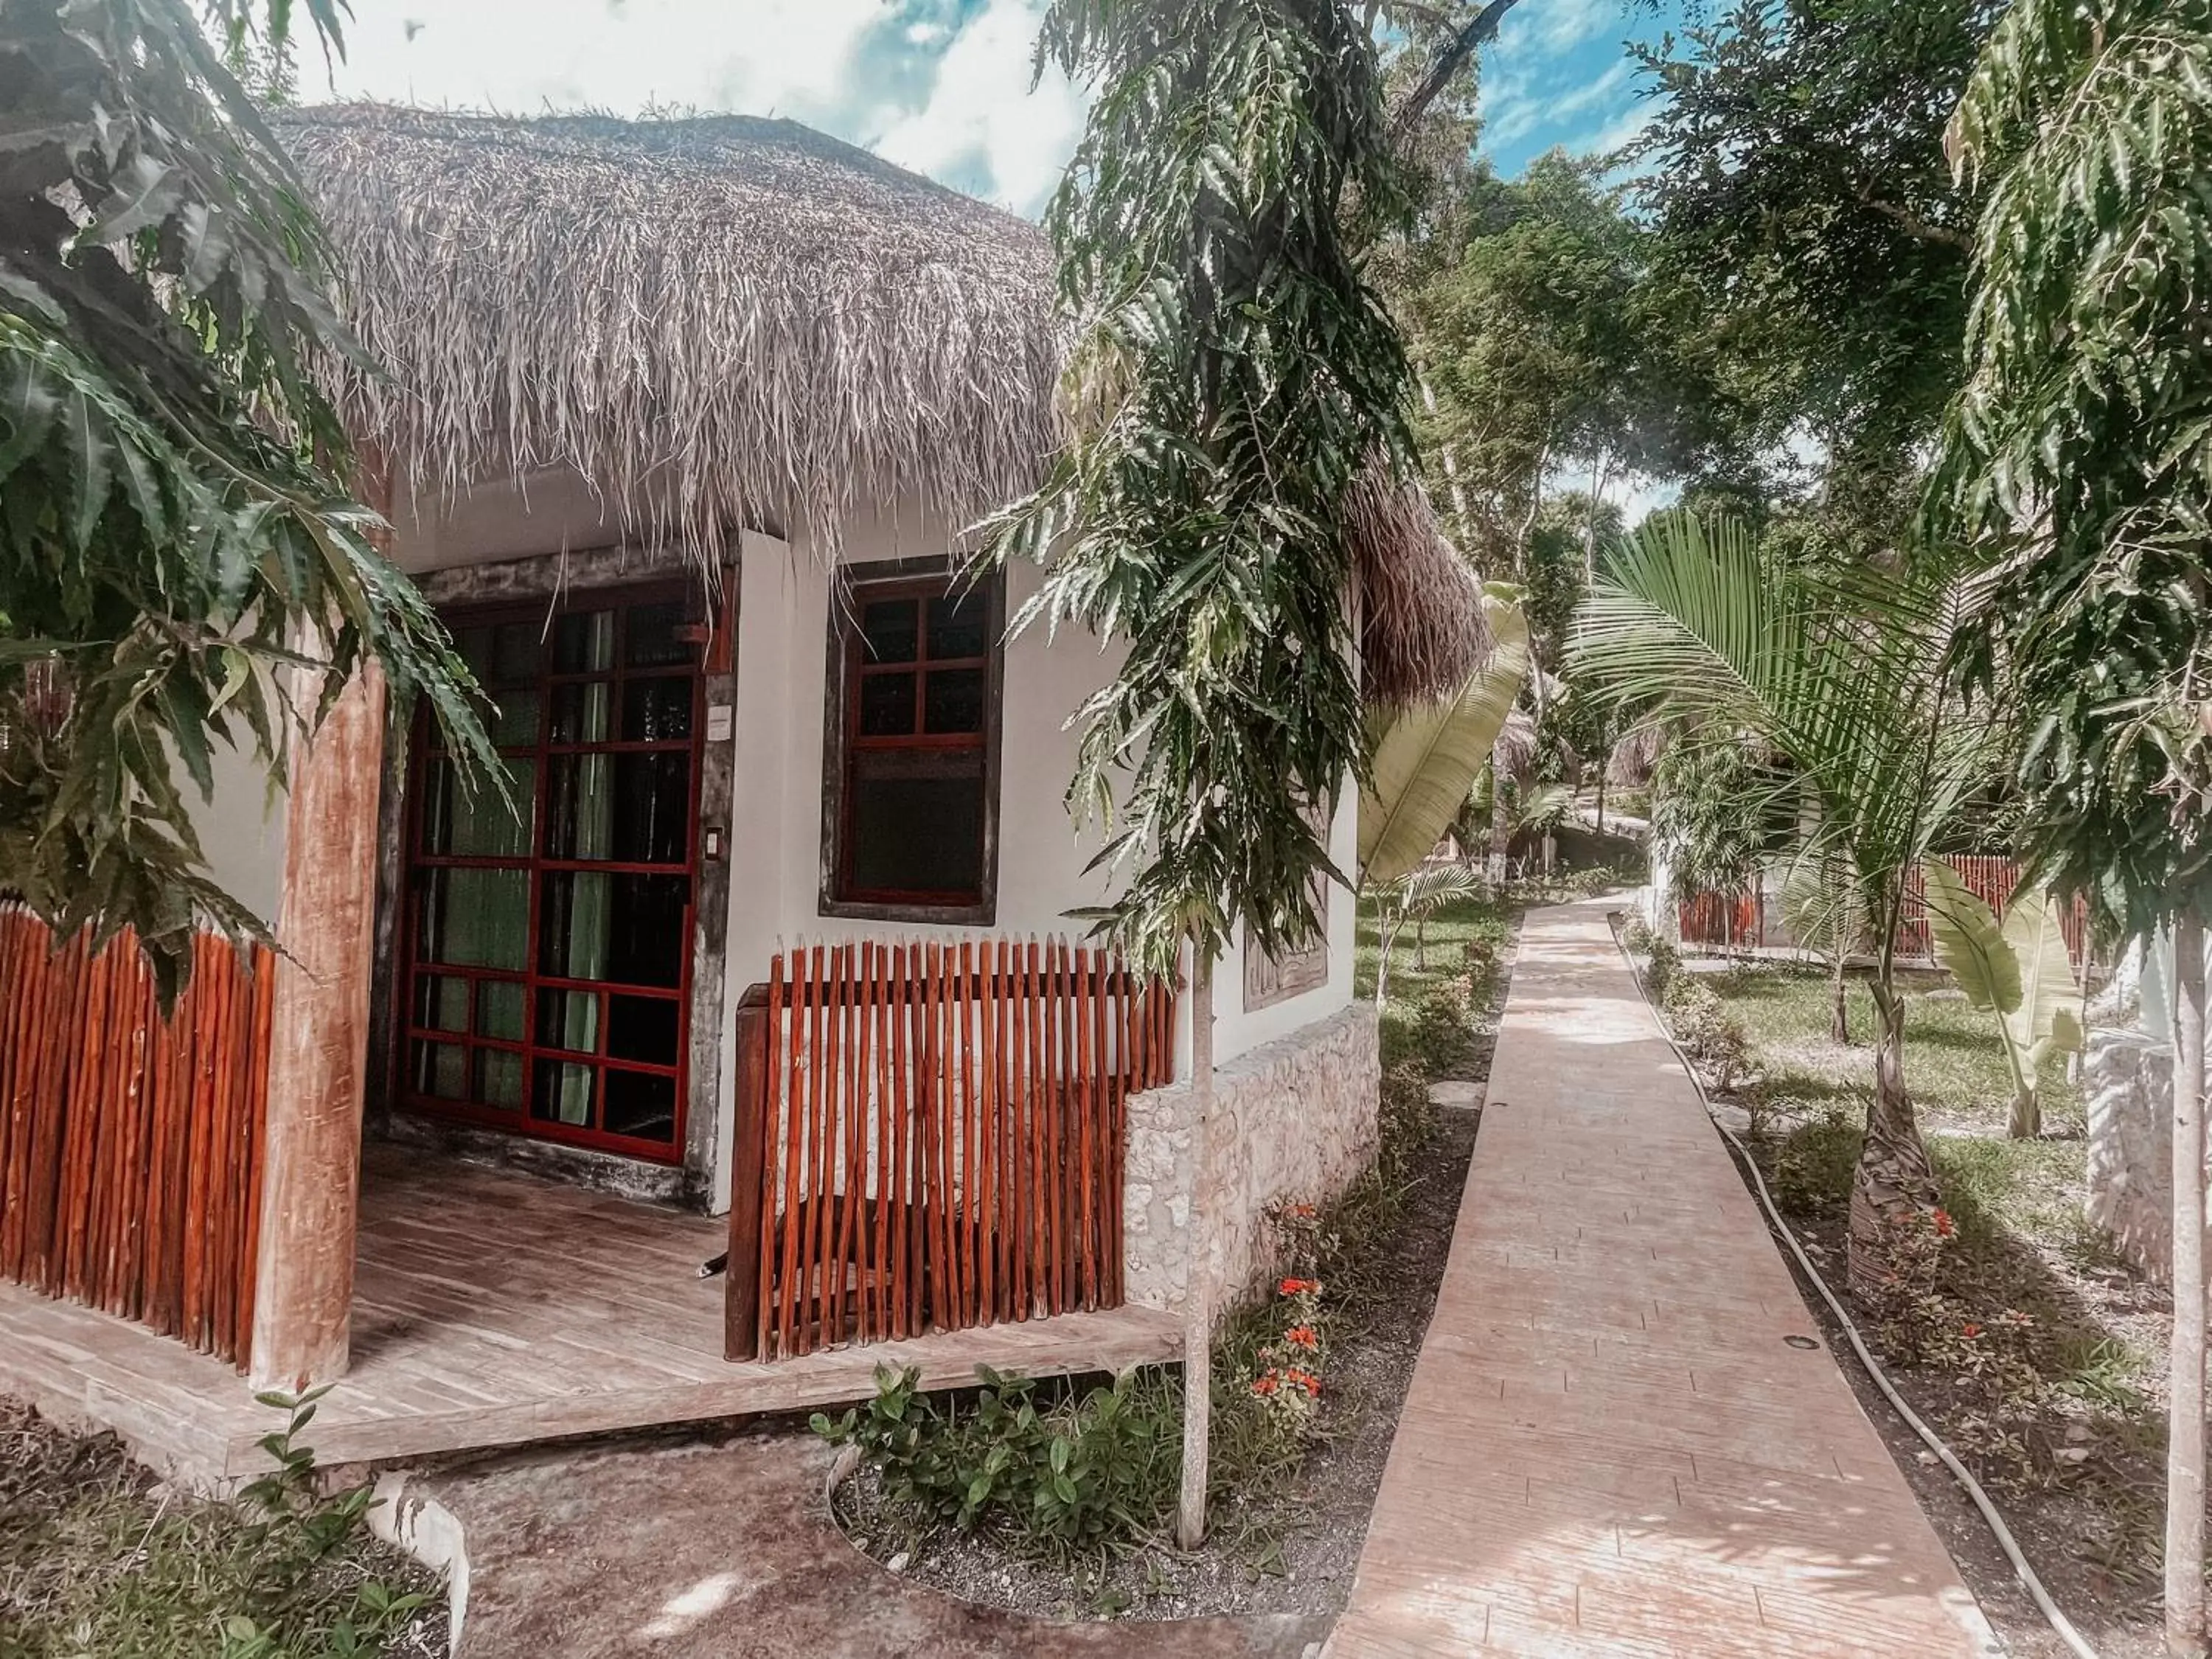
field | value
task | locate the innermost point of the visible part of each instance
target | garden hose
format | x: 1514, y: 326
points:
x: 2049, y: 1608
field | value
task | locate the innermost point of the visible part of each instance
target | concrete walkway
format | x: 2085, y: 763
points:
x: 1610, y: 1447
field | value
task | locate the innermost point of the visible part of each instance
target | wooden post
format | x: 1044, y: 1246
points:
x: 741, y: 1302
x: 2185, y: 1453
x: 318, y: 1045
x: 1198, y: 1290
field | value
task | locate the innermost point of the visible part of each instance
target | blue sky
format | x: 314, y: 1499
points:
x: 939, y: 86
x: 1560, y: 74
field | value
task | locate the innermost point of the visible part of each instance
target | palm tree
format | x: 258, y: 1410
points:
x: 1842, y: 674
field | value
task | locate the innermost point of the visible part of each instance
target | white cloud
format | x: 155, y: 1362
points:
x: 982, y: 106
x: 928, y: 88
x: 1557, y: 26
x: 1622, y: 130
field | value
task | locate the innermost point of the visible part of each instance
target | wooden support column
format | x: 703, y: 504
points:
x: 318, y: 1045
x: 741, y: 1280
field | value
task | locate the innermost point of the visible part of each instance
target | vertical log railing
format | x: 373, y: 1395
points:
x: 130, y: 1145
x: 1730, y: 920
x: 940, y: 1131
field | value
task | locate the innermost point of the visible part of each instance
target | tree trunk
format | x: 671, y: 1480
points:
x: 1895, y: 1185
x: 1501, y: 828
x: 1198, y: 1293
x: 1839, y: 1007
x: 2184, y: 1445
x: 1603, y: 767
x: 1421, y: 943
x: 2026, y: 1121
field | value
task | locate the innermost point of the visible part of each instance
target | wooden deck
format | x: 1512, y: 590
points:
x: 493, y: 1309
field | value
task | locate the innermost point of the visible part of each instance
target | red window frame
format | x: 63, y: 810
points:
x: 843, y: 895
x: 520, y: 1121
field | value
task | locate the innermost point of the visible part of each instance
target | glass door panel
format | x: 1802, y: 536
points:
x: 550, y: 954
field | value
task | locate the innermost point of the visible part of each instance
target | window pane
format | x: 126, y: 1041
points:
x: 561, y: 1091
x: 442, y: 1070
x: 515, y: 725
x: 584, y: 642
x: 578, y: 808
x: 649, y: 635
x: 888, y: 629
x: 886, y: 705
x: 652, y: 807
x: 573, y: 925
x: 441, y: 1004
x: 651, y: 937
x: 641, y: 1028
x: 474, y: 647
x: 460, y: 824
x: 499, y: 1009
x: 499, y: 1078
x: 517, y: 649
x: 657, y: 711
x: 953, y: 701
x: 569, y: 1020
x: 630, y: 929
x: 916, y: 818
x: 474, y: 918
x: 960, y: 623
x: 580, y: 712
x: 641, y: 1105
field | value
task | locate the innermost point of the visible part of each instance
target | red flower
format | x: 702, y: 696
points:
x: 1303, y: 1335
x: 1265, y: 1385
x: 1299, y: 1286
x: 1970, y: 1328
x: 1306, y: 1380
x: 1302, y: 1211
x: 1944, y: 1225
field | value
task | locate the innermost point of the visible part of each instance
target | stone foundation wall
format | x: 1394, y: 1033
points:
x: 2128, y: 1078
x: 1293, y: 1122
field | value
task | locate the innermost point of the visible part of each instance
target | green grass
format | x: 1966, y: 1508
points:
x: 1467, y: 947
x: 96, y: 1559
x: 1955, y: 1065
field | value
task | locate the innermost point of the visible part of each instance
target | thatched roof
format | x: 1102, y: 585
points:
x: 727, y: 321
x: 722, y: 321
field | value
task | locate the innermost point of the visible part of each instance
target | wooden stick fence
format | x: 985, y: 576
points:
x: 941, y: 1130
x: 1730, y: 920
x: 131, y: 1146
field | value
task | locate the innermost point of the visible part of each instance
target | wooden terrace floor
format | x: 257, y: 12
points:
x: 495, y: 1309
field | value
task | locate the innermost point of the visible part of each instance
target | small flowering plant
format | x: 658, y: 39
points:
x: 1289, y: 1366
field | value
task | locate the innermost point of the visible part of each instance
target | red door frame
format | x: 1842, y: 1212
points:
x: 519, y: 1121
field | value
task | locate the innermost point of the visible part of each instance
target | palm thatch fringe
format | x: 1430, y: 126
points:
x: 1422, y: 632
x: 1636, y: 757
x: 720, y: 321
x: 1514, y: 755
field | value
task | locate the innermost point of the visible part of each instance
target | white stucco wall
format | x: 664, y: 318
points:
x: 775, y: 834
x: 242, y: 829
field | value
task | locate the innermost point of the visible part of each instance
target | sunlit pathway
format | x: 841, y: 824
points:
x: 1609, y: 1446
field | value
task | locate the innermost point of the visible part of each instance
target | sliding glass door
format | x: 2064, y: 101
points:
x: 548, y: 950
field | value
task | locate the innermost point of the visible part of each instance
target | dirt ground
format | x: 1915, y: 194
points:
x: 1291, y: 1553
x: 724, y: 1548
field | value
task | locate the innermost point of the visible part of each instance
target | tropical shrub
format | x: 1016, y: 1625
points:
x: 2017, y: 970
x: 1708, y: 1033
x: 1061, y: 1478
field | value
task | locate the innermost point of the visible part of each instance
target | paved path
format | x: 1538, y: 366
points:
x: 1609, y: 1447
